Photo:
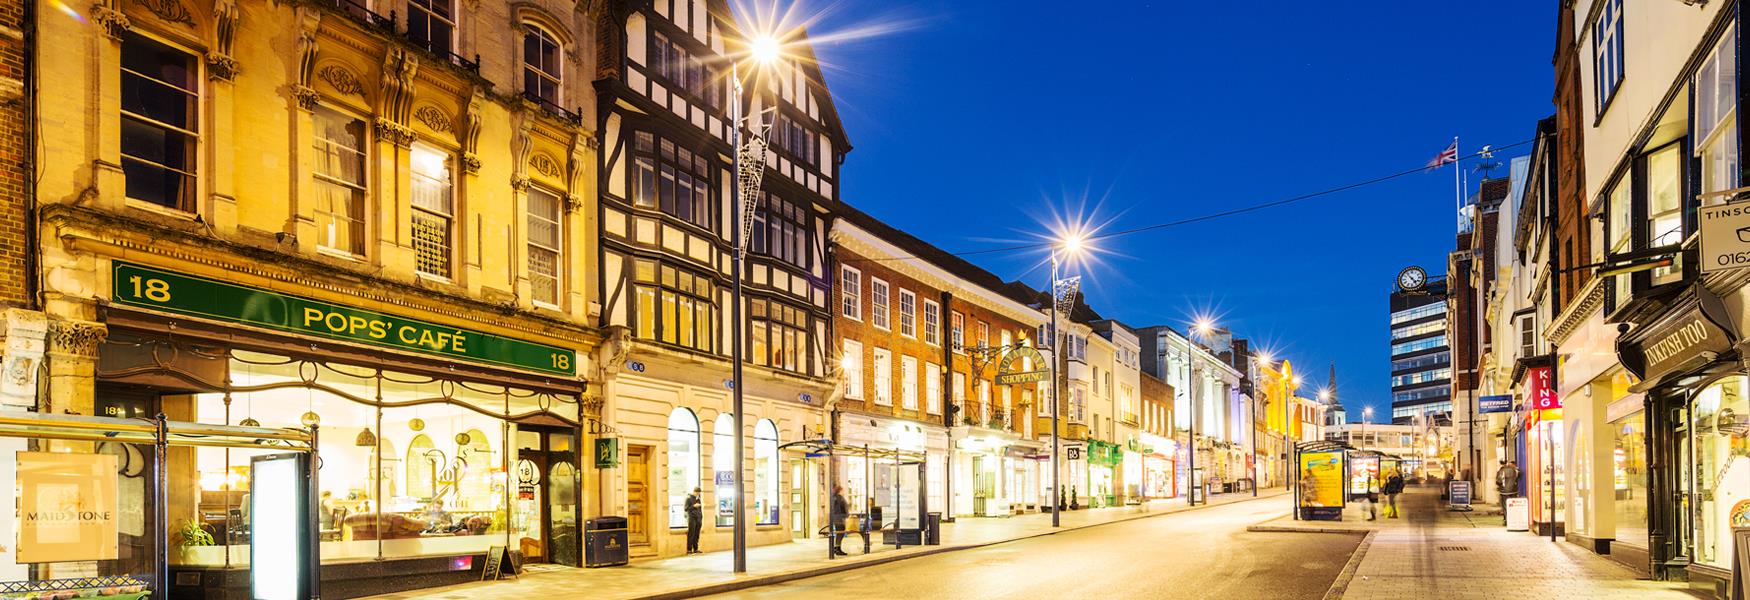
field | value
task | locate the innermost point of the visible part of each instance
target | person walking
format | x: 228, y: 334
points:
x: 1394, y: 485
x: 1506, y: 484
x: 695, y: 520
x: 839, y: 519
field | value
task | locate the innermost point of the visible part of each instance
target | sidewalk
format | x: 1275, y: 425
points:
x: 1434, y: 553
x: 709, y: 573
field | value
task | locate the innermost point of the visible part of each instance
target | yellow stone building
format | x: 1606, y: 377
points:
x: 375, y: 215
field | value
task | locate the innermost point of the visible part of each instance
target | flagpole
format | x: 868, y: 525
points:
x: 1457, y: 188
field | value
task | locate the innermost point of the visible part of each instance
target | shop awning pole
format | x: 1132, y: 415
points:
x: 160, y: 511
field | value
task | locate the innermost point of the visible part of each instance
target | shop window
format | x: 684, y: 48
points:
x: 546, y: 249
x: 1719, y: 426
x: 673, y: 305
x: 1630, y: 478
x: 433, y: 209
x: 765, y: 473
x: 683, y: 464
x: 160, y: 108
x: 723, y: 468
x: 339, y: 172
x: 421, y: 469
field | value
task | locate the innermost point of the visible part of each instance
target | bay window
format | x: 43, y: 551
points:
x: 1665, y: 208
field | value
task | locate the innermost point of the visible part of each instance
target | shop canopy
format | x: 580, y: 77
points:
x: 823, y: 448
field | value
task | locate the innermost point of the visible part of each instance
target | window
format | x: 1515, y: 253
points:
x: 431, y: 24
x: 1607, y: 52
x: 1618, y: 235
x: 1418, y: 329
x: 983, y: 411
x: 683, y: 463
x: 1421, y: 344
x: 781, y: 230
x: 541, y: 70
x: 933, y: 388
x: 1423, y: 311
x: 932, y: 323
x: 674, y: 62
x: 159, y: 122
x: 1716, y: 115
x: 433, y: 210
x: 883, y: 377
x: 957, y: 381
x: 795, y: 139
x: 983, y: 334
x: 723, y: 468
x: 340, y: 182
x: 1665, y: 207
x: 674, y: 305
x: 878, y: 314
x: 780, y: 336
x: 908, y: 383
x: 545, y: 249
x: 765, y: 473
x: 675, y: 180
x: 1527, y: 336
x: 852, y: 362
x: 1439, y: 391
x: 908, y: 313
x: 1421, y: 377
x: 1437, y: 358
x: 957, y: 330
x: 851, y: 290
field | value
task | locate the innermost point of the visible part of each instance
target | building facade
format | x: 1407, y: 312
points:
x: 668, y: 223
x: 1421, y: 356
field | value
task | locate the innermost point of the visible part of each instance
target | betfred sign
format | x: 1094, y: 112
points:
x: 1540, y: 391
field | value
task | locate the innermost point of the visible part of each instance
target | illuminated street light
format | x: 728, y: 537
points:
x: 1063, y: 292
x: 765, y: 49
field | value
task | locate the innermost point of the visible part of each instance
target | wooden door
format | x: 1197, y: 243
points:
x: 638, y: 495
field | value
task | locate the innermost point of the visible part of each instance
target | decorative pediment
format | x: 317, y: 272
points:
x: 342, y: 80
x: 545, y: 165
x: 169, y: 10
x: 433, y: 118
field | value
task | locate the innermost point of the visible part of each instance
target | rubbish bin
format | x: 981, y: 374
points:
x: 933, y: 530
x: 604, y: 542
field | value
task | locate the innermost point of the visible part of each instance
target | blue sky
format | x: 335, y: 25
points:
x: 976, y: 124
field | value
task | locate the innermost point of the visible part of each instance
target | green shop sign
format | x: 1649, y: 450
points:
x: 136, y: 285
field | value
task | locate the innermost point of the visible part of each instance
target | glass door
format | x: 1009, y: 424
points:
x: 562, y: 495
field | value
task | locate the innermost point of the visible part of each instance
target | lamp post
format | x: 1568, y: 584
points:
x: 749, y: 169
x: 1366, y: 415
x: 1063, y: 292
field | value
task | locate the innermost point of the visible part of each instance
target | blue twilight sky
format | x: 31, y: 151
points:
x: 975, y: 124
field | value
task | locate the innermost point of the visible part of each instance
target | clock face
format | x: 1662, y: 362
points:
x: 1412, y: 278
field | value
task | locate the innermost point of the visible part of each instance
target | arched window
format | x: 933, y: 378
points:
x: 683, y: 463
x: 541, y: 70
x: 765, y: 472
x: 422, y: 467
x: 723, y: 467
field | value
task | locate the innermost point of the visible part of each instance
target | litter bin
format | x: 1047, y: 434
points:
x: 933, y: 530
x: 604, y: 542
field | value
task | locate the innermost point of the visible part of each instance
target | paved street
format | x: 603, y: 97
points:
x: 1202, y: 554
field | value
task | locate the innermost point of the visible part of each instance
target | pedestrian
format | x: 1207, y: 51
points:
x: 1394, y: 485
x: 1506, y: 484
x: 695, y: 520
x: 841, y: 520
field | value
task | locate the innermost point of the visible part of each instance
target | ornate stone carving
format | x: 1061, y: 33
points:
x: 432, y: 117
x: 306, y: 97
x: 221, y: 67
x: 520, y: 183
x: 308, y: 20
x: 111, y: 19
x: 76, y: 338
x: 341, y: 79
x: 545, y: 165
x: 396, y: 100
x: 394, y: 132
x: 471, y: 133
x: 470, y: 163
x: 169, y: 10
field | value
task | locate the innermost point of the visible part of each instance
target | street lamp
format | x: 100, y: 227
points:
x: 1063, y: 292
x: 1366, y: 415
x: 750, y: 168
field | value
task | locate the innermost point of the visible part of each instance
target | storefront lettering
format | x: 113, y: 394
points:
x: 147, y: 287
x: 1690, y: 334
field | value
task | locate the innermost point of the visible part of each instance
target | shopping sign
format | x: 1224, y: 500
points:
x: 1495, y: 404
x: 1023, y: 364
x: 1725, y: 236
x: 1540, y: 392
x: 147, y: 287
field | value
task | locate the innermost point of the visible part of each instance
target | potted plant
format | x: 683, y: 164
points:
x: 1074, y: 502
x: 194, y: 543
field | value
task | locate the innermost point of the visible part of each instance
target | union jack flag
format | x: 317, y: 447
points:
x: 1449, y: 155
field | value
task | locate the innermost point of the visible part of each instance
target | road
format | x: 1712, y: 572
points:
x: 1199, y: 554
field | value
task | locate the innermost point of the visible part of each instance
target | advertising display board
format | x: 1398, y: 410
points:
x: 1458, y: 494
x: 1321, y: 485
x: 911, y: 493
x: 1363, y: 476
x: 280, y: 541
x: 66, y: 507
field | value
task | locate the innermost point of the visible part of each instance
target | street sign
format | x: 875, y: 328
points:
x: 1495, y: 404
x: 1725, y: 236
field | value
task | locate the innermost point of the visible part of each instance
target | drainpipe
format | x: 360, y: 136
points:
x: 943, y: 387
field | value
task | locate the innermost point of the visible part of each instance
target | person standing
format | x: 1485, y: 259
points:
x: 1506, y: 484
x: 1394, y: 485
x: 836, y: 519
x: 695, y: 520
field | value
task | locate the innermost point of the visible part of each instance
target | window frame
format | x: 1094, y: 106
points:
x: 447, y: 215
x: 557, y: 249
x: 932, y: 388
x: 908, y: 383
x: 851, y: 293
x: 932, y: 322
x: 908, y: 319
x: 851, y: 364
x: 660, y: 163
x: 883, y: 375
x: 880, y: 310
x: 660, y: 286
x: 794, y: 328
x: 361, y: 201
x: 429, y: 13
x: 196, y: 67
x: 557, y: 79
x: 1607, y: 44
x: 957, y: 331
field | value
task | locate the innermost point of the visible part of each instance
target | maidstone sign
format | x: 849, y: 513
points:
x: 147, y: 287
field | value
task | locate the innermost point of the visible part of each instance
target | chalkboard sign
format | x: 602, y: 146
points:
x: 496, y: 557
x: 1458, y: 492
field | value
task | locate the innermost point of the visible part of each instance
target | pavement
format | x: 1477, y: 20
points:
x: 1434, y: 553
x: 1205, y: 554
x: 709, y: 573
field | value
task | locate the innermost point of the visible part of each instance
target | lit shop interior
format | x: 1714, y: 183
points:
x: 411, y: 466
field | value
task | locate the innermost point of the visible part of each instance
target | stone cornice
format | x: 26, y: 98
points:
x: 1590, y: 299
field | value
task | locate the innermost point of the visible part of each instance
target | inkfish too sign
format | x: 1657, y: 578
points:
x: 1692, y: 334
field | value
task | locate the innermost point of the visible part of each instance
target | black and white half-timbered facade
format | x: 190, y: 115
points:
x: 667, y: 210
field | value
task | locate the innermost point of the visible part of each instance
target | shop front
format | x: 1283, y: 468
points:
x: 1104, y: 463
x: 992, y: 471
x: 1159, y: 469
x: 440, y: 443
x: 1696, y: 423
x: 885, y: 435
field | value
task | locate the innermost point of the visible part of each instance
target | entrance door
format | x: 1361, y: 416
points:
x: 547, y: 494
x: 638, y: 495
x: 801, y: 484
